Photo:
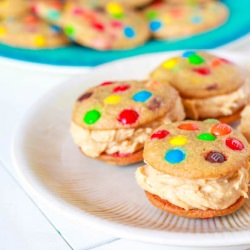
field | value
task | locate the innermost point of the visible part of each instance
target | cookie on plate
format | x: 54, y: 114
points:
x: 178, y: 21
x: 196, y: 169
x: 245, y: 122
x: 30, y: 32
x: 112, y: 28
x: 111, y: 122
x: 210, y: 86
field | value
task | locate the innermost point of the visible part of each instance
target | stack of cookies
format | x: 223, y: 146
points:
x: 195, y: 168
x: 104, y: 24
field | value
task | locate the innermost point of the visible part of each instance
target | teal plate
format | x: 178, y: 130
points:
x: 236, y: 27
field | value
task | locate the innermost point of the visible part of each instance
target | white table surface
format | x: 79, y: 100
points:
x: 26, y: 222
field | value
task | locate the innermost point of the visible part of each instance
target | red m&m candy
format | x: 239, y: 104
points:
x: 98, y: 26
x: 234, y: 144
x: 128, y: 117
x: 160, y: 134
x: 121, y: 88
x: 221, y: 129
x: 202, y: 71
x: 188, y: 126
x: 106, y: 83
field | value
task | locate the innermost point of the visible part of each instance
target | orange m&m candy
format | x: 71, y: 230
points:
x: 221, y: 129
x: 188, y: 126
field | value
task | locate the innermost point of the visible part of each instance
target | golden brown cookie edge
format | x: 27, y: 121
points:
x: 192, y: 213
x: 120, y: 161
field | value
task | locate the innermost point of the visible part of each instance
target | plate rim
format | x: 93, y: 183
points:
x: 146, y: 235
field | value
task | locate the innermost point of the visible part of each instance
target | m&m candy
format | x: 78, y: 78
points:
x: 155, y: 25
x: 85, y: 96
x: 186, y: 54
x: 171, y: 63
x: 113, y: 99
x: 129, y: 32
x: 220, y: 129
x: 178, y: 140
x: 128, y: 117
x: 106, y: 83
x: 154, y: 103
x: 234, y: 144
x: 175, y: 156
x: 215, y: 157
x: 195, y: 59
x: 121, y: 88
x: 202, y: 71
x: 188, y: 126
x: 92, y: 116
x: 206, y: 137
x: 142, y: 96
x: 160, y: 134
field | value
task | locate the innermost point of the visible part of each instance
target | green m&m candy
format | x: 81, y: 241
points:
x: 195, y: 59
x: 206, y: 137
x: 92, y: 116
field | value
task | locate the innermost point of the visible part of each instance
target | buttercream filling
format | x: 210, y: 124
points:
x: 212, y: 193
x: 124, y: 141
x: 222, y: 105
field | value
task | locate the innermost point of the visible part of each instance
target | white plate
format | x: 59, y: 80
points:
x: 51, y: 167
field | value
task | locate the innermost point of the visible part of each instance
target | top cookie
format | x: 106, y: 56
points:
x: 198, y: 74
x: 197, y: 150
x: 113, y: 27
x: 123, y: 104
x: 28, y: 31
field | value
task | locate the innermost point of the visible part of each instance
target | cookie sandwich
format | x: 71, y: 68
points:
x: 111, y: 28
x: 30, y: 32
x: 210, y: 86
x: 167, y: 21
x: 195, y: 169
x: 111, y: 122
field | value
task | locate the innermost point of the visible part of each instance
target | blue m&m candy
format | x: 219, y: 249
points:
x: 175, y: 156
x: 155, y: 25
x: 142, y: 96
x: 129, y: 32
x: 186, y: 54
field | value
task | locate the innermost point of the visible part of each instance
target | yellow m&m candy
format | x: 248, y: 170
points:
x: 178, y: 140
x: 171, y: 63
x: 39, y: 41
x: 112, y: 99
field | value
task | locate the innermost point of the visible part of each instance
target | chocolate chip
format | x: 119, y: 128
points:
x: 155, y: 103
x: 212, y: 87
x: 215, y: 157
x: 85, y: 96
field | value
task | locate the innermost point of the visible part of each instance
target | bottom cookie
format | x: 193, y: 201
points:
x: 230, y: 118
x: 192, y: 213
x: 121, y: 160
